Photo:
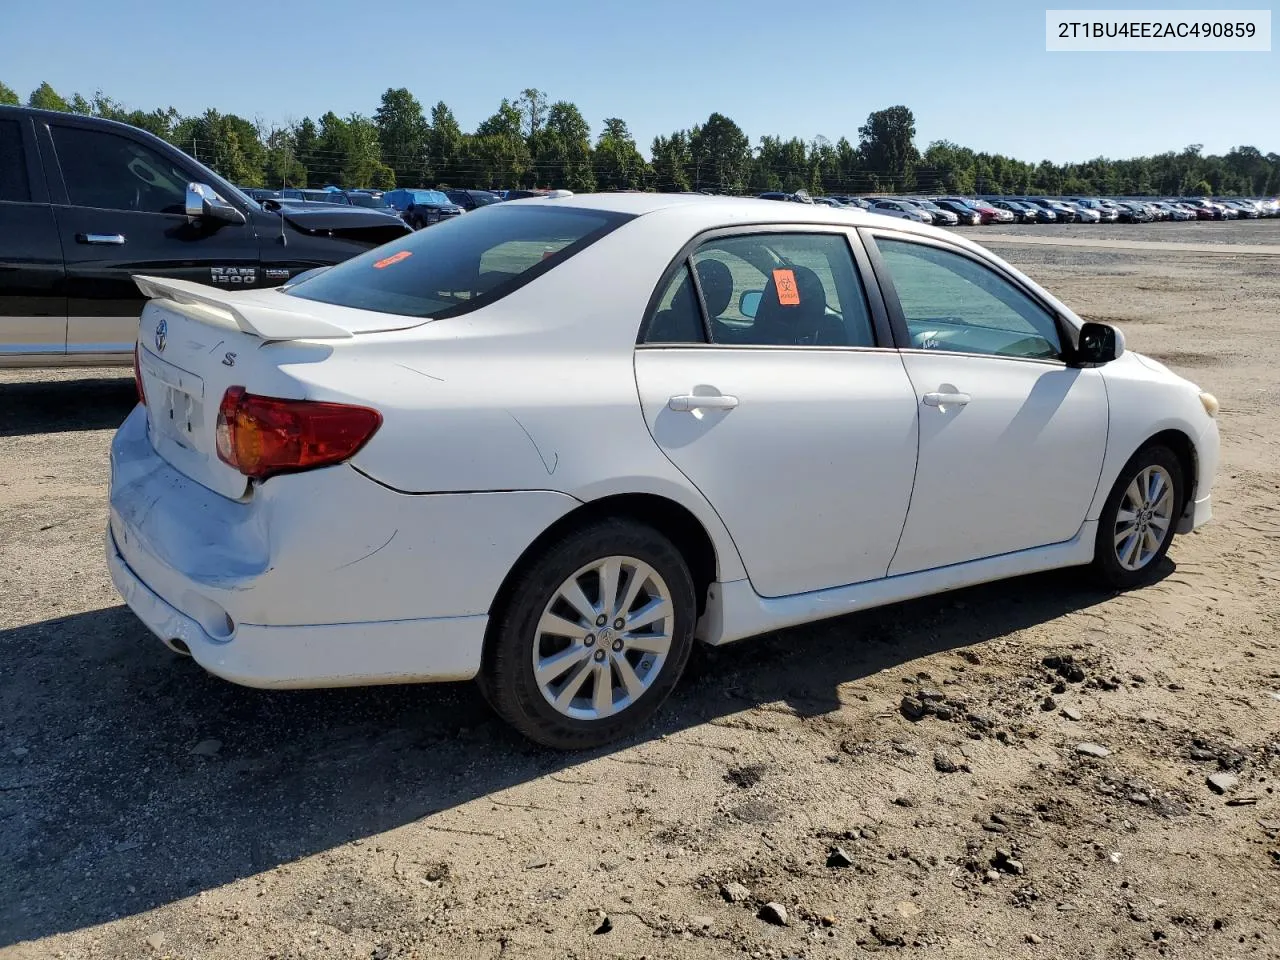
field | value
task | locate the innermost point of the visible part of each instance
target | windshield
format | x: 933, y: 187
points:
x: 462, y: 264
x: 364, y: 200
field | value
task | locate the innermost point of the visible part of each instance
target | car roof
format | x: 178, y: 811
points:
x: 710, y: 212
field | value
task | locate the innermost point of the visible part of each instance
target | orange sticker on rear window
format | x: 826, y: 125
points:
x: 788, y: 292
x: 394, y: 258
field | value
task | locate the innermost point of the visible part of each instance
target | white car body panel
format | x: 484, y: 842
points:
x: 501, y: 422
x: 369, y: 556
x: 799, y: 440
x: 1014, y: 468
x: 735, y: 611
x: 1147, y: 398
x: 315, y: 655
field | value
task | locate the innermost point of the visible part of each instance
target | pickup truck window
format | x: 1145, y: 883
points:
x: 115, y: 173
x: 13, y: 165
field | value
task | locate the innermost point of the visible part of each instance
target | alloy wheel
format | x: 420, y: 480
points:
x: 603, y: 638
x: 1144, y: 517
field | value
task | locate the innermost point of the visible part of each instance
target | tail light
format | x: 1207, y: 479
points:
x: 263, y: 436
x: 137, y: 375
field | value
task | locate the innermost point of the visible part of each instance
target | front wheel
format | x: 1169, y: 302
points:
x: 1137, y: 522
x: 592, y: 636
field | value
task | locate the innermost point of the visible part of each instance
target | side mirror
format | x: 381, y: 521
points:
x: 204, y: 203
x: 1099, y: 343
x: 749, y: 302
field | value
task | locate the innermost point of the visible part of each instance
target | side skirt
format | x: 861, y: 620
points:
x: 735, y: 611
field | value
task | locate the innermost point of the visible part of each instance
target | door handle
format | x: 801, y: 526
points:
x: 687, y: 403
x: 110, y: 239
x: 946, y: 399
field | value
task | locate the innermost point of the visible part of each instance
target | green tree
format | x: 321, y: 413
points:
x: 618, y: 163
x: 947, y: 167
x: 402, y: 135
x: 225, y: 142
x: 887, y: 141
x: 561, y: 150
x: 8, y: 96
x: 445, y: 147
x: 532, y: 105
x: 671, y: 162
x: 848, y: 167
x: 721, y: 155
x: 347, y: 154
x: 331, y: 151
x: 305, y: 140
x: 498, y: 154
x: 284, y: 166
x: 1250, y: 168
x: 44, y: 97
x: 766, y: 166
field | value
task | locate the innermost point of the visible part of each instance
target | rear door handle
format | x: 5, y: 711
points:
x: 687, y: 403
x: 946, y: 399
x: 109, y: 239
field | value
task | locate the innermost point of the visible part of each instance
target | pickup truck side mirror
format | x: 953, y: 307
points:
x: 204, y: 203
x: 1099, y: 343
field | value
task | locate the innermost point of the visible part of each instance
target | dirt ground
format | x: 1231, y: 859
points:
x: 149, y: 810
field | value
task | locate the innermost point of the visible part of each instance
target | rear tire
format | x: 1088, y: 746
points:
x: 592, y: 636
x: 1139, y: 518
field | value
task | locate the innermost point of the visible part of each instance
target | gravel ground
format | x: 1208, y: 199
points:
x: 1232, y: 232
x: 1053, y: 799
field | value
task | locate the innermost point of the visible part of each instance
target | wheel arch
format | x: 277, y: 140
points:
x: 674, y: 521
x: 1184, y: 448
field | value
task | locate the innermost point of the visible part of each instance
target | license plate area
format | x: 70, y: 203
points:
x: 175, y: 402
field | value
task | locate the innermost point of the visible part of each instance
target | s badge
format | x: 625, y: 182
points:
x: 162, y: 334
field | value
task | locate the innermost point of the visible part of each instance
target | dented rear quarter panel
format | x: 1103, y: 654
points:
x: 372, y: 554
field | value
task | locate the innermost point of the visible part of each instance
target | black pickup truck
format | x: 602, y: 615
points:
x: 86, y: 203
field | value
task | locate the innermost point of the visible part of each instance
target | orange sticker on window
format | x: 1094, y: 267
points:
x: 548, y: 254
x: 788, y: 292
x: 394, y: 258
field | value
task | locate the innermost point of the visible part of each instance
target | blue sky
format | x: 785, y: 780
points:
x: 975, y: 73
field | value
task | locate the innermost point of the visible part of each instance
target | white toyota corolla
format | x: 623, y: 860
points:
x: 553, y: 442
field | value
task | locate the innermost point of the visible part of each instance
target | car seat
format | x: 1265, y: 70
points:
x: 802, y: 324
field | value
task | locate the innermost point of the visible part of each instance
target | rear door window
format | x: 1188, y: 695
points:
x: 14, y: 186
x: 768, y: 289
x: 462, y: 264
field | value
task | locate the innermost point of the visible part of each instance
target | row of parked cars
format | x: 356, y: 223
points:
x: 951, y: 211
x: 418, y: 207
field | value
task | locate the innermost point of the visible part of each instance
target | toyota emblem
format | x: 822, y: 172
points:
x: 162, y: 334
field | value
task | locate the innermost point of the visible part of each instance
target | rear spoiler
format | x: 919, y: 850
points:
x: 268, y: 323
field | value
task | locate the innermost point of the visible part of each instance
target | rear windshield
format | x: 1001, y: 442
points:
x: 462, y: 264
x: 428, y: 196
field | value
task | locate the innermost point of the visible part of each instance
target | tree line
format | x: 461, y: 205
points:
x: 530, y: 142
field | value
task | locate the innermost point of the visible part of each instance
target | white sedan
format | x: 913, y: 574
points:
x: 552, y: 443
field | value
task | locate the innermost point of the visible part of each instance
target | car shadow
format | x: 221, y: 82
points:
x: 108, y: 812
x: 53, y: 406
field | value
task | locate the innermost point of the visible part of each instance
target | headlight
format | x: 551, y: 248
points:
x: 1210, y: 403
